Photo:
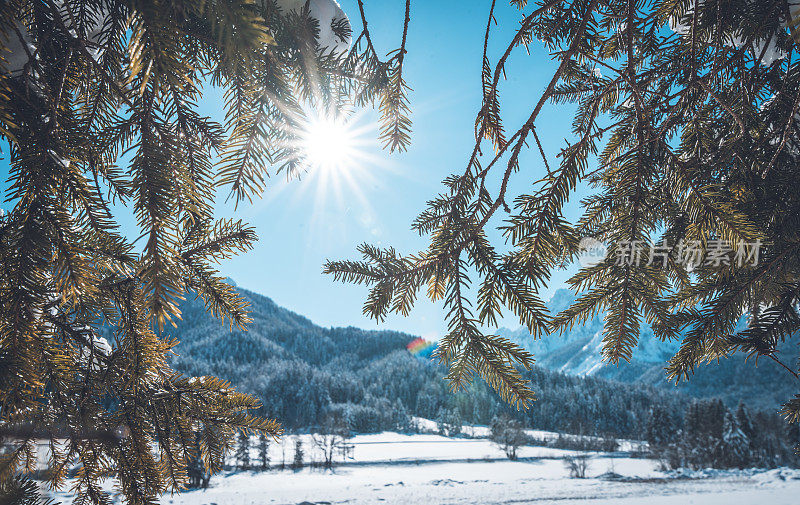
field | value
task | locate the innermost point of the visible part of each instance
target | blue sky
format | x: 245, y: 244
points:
x: 303, y: 223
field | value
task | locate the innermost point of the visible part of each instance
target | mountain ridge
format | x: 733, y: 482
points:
x: 303, y: 373
x: 577, y: 352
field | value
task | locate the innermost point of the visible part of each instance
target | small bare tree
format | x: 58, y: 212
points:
x: 331, y: 439
x: 508, y: 435
x: 577, y: 465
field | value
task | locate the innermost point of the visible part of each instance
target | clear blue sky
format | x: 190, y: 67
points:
x: 303, y: 223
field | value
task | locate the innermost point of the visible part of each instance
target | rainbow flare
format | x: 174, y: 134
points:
x: 421, y: 348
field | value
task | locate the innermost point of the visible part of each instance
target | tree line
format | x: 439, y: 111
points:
x: 710, y: 435
x: 304, y: 375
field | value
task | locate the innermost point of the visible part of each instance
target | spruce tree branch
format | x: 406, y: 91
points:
x: 779, y: 362
x: 728, y: 302
x: 784, y: 137
x: 527, y: 22
x: 401, y: 55
x: 725, y: 106
x: 119, y: 89
x: 60, y: 92
x: 488, y: 29
x: 541, y: 152
x: 365, y: 28
x: 632, y: 81
x: 520, y: 137
x: 565, y: 60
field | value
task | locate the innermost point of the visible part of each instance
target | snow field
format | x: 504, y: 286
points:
x: 489, y: 483
x: 426, y: 469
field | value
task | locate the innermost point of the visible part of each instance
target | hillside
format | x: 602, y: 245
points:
x: 577, y: 352
x: 303, y: 372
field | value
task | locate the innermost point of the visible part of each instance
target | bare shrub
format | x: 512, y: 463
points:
x: 577, y: 465
x: 508, y: 435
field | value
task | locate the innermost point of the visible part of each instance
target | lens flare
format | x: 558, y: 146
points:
x: 329, y: 144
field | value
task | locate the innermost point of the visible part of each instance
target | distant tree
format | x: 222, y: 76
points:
x: 263, y: 451
x: 429, y: 400
x: 577, y: 465
x: 793, y: 435
x: 703, y: 432
x: 403, y: 418
x: 331, y: 439
x: 449, y: 422
x: 660, y: 431
x: 508, y: 434
x: 673, y: 455
x: 703, y: 427
x: 733, y: 449
x: 243, y: 451
x: 298, y: 462
x: 744, y: 421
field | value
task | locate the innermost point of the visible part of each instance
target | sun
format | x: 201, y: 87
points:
x: 329, y: 144
x: 337, y: 161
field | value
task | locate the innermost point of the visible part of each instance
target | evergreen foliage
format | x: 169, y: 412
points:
x: 22, y: 491
x: 660, y: 428
x: 299, y: 454
x: 711, y: 436
x: 198, y: 475
x: 735, y: 448
x: 243, y: 451
x: 99, y: 109
x: 449, y: 422
x: 263, y: 452
x: 689, y: 110
x: 304, y: 374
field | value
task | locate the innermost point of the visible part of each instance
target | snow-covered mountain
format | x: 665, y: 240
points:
x: 302, y: 372
x: 577, y: 351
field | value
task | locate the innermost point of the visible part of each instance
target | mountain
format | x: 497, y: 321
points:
x: 303, y: 373
x: 577, y: 352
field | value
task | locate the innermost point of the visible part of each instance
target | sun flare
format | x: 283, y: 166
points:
x: 329, y: 144
x: 338, y: 159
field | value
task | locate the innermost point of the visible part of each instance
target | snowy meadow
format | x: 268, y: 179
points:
x: 431, y: 469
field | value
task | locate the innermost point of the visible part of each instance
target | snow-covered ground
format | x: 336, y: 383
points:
x: 388, y: 447
x: 427, y: 469
x: 501, y: 482
x: 402, y: 448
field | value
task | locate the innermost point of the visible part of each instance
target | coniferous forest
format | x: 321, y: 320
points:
x: 304, y: 374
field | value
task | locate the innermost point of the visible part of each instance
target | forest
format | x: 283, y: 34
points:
x: 303, y: 374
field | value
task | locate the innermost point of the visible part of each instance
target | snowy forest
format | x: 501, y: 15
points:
x: 306, y: 375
